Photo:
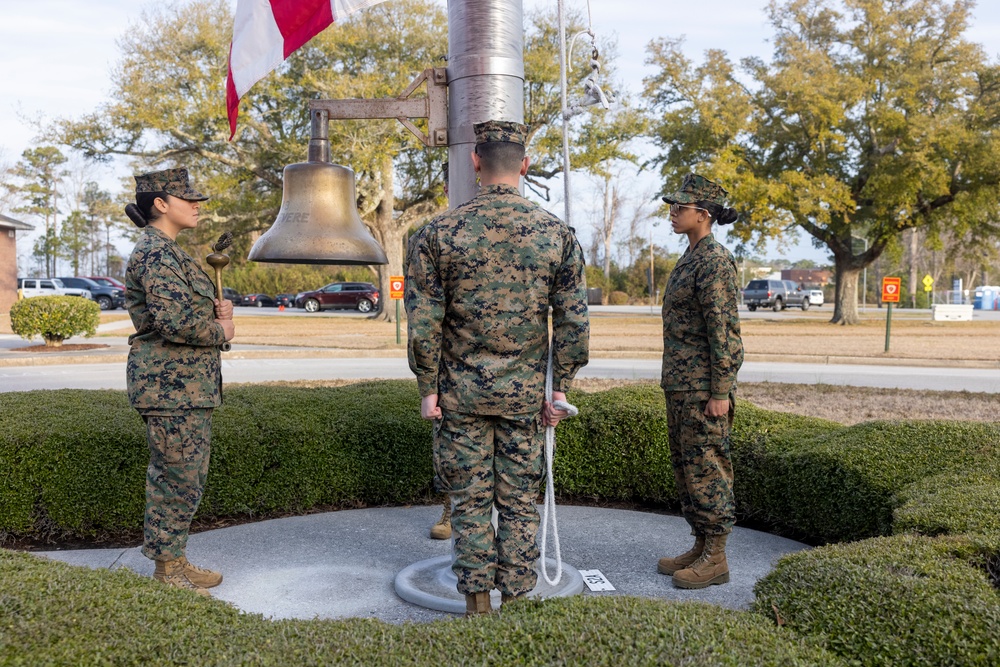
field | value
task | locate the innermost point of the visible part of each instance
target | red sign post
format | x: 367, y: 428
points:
x: 396, y: 293
x: 890, y: 295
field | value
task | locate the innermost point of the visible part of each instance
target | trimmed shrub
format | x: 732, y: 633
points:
x: 901, y: 600
x: 80, y: 472
x: 951, y: 503
x: 54, y: 318
x: 617, y: 298
x: 139, y: 618
x: 617, y: 449
x: 831, y: 483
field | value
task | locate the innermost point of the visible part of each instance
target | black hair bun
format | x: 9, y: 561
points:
x: 727, y: 217
x: 135, y: 215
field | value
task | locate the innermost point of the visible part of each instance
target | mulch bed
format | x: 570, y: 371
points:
x: 72, y: 347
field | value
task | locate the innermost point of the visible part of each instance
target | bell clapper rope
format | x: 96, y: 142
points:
x: 549, y: 505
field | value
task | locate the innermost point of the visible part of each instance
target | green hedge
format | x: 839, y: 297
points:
x: 901, y: 600
x: 829, y: 483
x: 79, y: 472
x: 142, y: 622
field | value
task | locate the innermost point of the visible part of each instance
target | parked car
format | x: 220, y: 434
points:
x: 363, y: 296
x: 258, y: 300
x: 107, y: 297
x: 48, y: 287
x: 765, y: 294
x: 286, y: 300
x: 816, y: 297
x: 108, y: 280
x: 232, y: 295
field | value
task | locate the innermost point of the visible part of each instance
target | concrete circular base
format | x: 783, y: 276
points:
x: 432, y: 584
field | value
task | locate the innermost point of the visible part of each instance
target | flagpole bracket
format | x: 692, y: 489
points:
x: 433, y: 106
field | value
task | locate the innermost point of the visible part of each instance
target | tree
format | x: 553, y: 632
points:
x: 40, y: 180
x: 873, y: 117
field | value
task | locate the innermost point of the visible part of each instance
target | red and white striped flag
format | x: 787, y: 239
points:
x: 265, y: 32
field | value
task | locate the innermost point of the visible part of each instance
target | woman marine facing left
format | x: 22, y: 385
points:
x: 174, y: 371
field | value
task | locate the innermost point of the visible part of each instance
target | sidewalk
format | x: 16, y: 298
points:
x: 342, y: 564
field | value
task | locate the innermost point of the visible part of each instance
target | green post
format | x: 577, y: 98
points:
x: 397, y: 324
x: 888, y: 325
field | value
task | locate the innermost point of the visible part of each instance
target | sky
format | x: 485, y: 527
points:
x: 57, y: 56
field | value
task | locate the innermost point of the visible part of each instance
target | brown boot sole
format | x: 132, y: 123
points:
x: 694, y: 585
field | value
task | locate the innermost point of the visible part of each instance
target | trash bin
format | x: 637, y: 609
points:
x: 595, y: 296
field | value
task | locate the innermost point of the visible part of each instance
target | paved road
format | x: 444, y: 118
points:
x: 112, y: 375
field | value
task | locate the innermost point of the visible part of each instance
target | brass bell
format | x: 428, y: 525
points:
x: 318, y: 222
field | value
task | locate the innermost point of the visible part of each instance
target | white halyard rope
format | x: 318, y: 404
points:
x: 549, y: 506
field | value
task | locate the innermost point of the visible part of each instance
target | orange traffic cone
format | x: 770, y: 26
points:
x: 281, y: 307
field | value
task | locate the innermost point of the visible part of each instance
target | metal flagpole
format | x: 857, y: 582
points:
x: 485, y: 80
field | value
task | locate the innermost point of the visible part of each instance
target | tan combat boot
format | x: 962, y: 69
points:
x: 171, y: 572
x: 199, y: 576
x: 442, y: 529
x: 671, y: 565
x: 711, y: 567
x: 478, y: 604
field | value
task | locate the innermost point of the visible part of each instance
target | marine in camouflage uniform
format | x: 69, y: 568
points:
x: 174, y: 375
x: 480, y: 281
x: 702, y: 353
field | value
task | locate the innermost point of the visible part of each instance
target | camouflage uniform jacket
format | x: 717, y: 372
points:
x: 480, y: 280
x: 702, y: 348
x: 174, y: 361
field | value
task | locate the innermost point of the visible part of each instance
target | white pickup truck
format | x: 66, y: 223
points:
x: 48, y: 287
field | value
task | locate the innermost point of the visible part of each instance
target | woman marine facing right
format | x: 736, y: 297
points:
x: 702, y: 353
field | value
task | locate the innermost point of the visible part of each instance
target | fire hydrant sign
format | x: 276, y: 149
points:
x: 395, y: 287
x: 890, y: 289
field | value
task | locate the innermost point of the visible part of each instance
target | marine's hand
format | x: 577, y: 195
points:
x: 223, y: 309
x: 429, y: 407
x: 227, y: 327
x: 717, y: 407
x: 550, y: 415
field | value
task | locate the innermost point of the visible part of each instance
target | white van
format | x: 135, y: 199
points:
x: 48, y: 287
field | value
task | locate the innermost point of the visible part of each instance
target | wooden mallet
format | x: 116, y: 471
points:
x: 217, y: 260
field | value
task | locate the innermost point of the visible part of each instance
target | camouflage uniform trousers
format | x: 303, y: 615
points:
x: 486, y: 460
x: 179, y: 449
x: 703, y: 469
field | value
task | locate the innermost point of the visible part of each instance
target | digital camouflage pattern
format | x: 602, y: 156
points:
x: 500, y: 130
x: 174, y: 362
x: 479, y: 460
x: 695, y: 188
x: 172, y: 181
x: 702, y: 348
x: 700, y: 457
x: 480, y: 280
x: 179, y: 451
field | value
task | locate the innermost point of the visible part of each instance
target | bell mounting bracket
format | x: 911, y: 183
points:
x: 433, y: 107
